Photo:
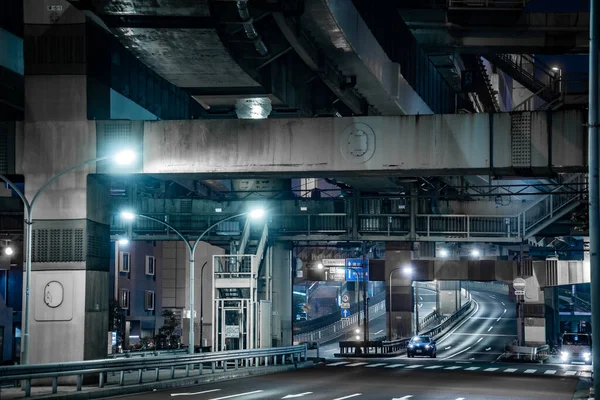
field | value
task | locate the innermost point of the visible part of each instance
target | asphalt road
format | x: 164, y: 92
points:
x: 377, y: 327
x: 324, y: 383
x: 483, y: 335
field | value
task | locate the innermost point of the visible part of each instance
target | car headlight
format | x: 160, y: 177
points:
x: 410, y: 346
x: 564, y: 355
x: 428, y: 347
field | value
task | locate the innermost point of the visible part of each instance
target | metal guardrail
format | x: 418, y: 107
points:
x: 100, y: 368
x: 539, y: 353
x: 489, y: 4
x: 147, y: 353
x: 395, y: 346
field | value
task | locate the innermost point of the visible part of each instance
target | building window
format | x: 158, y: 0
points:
x: 150, y: 265
x: 125, y: 262
x: 149, y: 302
x: 124, y: 299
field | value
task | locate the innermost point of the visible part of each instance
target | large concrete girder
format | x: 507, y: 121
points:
x: 502, y: 144
x: 339, y: 30
x: 551, y: 33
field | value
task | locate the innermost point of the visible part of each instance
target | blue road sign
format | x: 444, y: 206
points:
x: 345, y: 313
x: 354, y: 269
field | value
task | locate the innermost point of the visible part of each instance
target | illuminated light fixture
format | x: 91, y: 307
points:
x: 357, y: 331
x: 124, y: 241
x: 407, y: 270
x: 444, y: 253
x: 218, y: 209
x: 125, y: 157
x: 475, y: 253
x: 303, y: 208
x: 257, y: 213
x: 555, y: 68
x: 357, y: 337
x: 320, y: 266
x: 128, y: 215
x: 9, y: 251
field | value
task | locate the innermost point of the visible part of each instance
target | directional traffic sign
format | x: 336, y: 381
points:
x: 345, y: 313
x: 355, y: 270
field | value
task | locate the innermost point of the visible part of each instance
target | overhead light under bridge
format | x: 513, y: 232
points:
x: 253, y: 108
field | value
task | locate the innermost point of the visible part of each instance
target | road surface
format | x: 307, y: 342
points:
x: 360, y: 383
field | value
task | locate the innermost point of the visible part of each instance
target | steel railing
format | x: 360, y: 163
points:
x: 490, y: 4
x: 147, y: 353
x: 100, y: 368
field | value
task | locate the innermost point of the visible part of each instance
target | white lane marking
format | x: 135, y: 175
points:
x: 193, y: 394
x: 292, y: 396
x: 455, y: 354
x: 403, y: 397
x: 448, y: 348
x: 460, y: 398
x: 529, y: 371
x: 237, y: 395
x: 570, y: 373
x: 463, y: 362
x: 378, y: 332
x: 510, y: 370
x: 414, y: 366
x: 461, y: 324
x: 480, y: 339
x: 356, y: 364
x: 335, y: 364
x: 488, y: 349
x: 502, y: 303
x: 434, y: 367
x: 395, y: 366
x: 493, y: 297
x: 491, y: 369
x: 453, y: 368
x: 482, y: 334
x: 349, y: 396
x: 498, y: 319
x: 490, y: 328
x: 550, y: 372
x: 472, y: 369
x: 375, y: 365
x: 504, y: 311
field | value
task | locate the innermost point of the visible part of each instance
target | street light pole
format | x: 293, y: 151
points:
x: 357, y: 282
x: 201, y: 303
x: 192, y: 250
x: 124, y: 157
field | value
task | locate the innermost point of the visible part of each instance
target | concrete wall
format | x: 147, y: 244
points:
x: 443, y: 144
x: 281, y: 328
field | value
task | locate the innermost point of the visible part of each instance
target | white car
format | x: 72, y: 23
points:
x: 576, y: 347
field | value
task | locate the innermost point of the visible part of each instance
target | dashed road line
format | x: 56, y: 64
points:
x: 453, y: 368
x: 356, y: 364
x: 510, y: 370
x: 375, y: 365
x: 338, y: 363
x: 491, y: 369
x: 434, y: 367
x: 530, y: 371
x: 550, y: 372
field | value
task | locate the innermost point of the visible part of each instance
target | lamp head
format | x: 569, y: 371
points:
x: 443, y: 253
x: 123, y: 241
x: 125, y: 157
x: 9, y: 251
x: 320, y: 266
x: 257, y: 213
x: 475, y: 253
x: 407, y: 270
x: 128, y: 215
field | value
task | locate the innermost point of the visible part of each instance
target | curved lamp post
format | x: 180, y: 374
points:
x: 122, y: 158
x: 128, y: 215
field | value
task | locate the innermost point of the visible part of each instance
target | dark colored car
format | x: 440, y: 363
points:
x: 421, y: 346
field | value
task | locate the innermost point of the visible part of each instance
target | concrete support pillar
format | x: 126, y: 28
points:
x: 70, y: 271
x: 282, y: 294
x: 399, y: 291
x: 534, y: 307
x: 450, y: 297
